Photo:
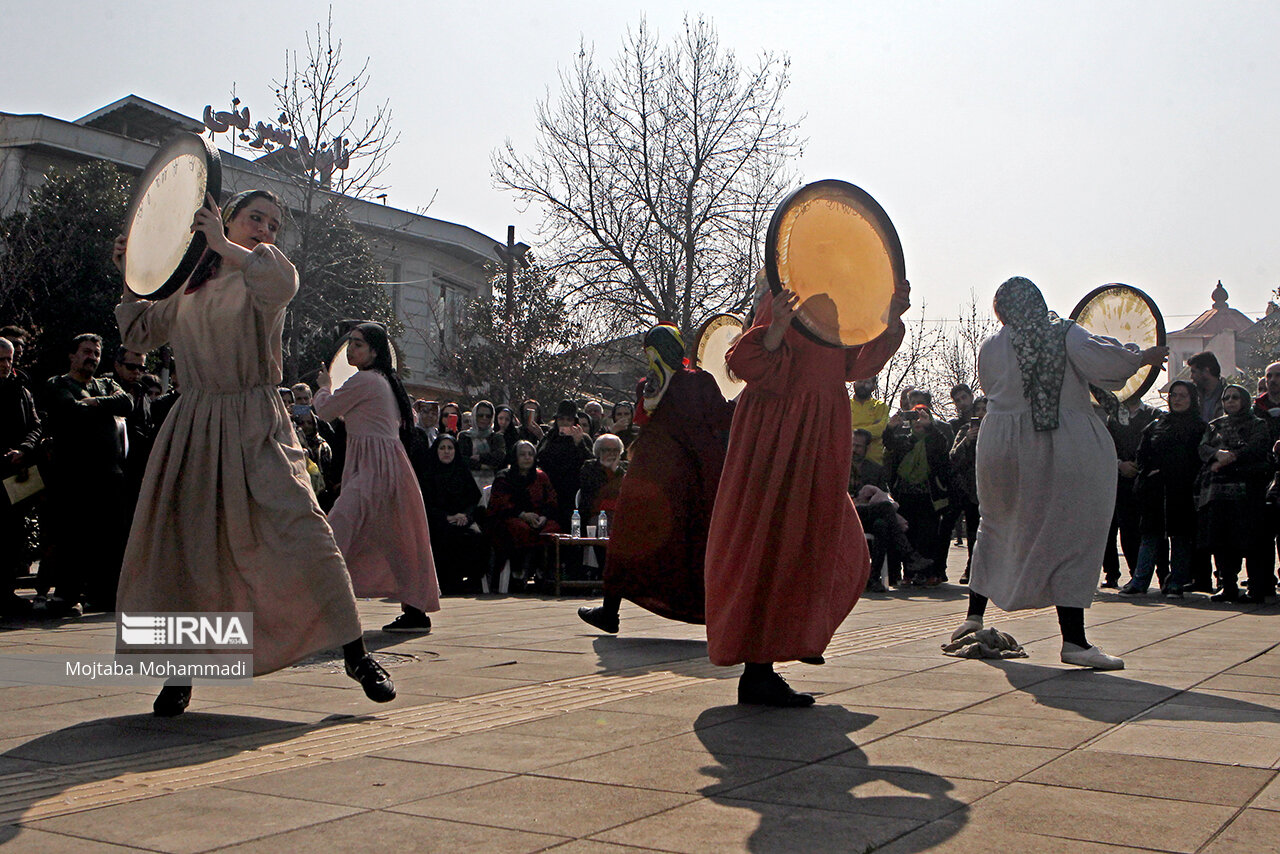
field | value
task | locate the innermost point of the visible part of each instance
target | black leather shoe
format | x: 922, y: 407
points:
x: 171, y: 701
x: 1226, y: 594
x: 601, y: 619
x: 375, y: 681
x: 814, y: 659
x: 770, y: 690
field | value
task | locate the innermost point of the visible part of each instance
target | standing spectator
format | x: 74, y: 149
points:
x: 920, y: 458
x: 1206, y: 373
x: 1126, y: 428
x: 301, y: 394
x: 19, y: 338
x: 452, y: 498
x: 86, y: 421
x: 1168, y: 460
x: 140, y: 430
x: 1231, y: 490
x: 1267, y: 407
x: 624, y: 426
x: 482, y: 448
x: 868, y: 487
x: 871, y: 414
x: 19, y: 438
x: 325, y: 480
x: 561, y: 454
x: 964, y: 477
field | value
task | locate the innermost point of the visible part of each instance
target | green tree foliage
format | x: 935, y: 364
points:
x: 522, y: 353
x: 339, y: 281
x: 56, y: 275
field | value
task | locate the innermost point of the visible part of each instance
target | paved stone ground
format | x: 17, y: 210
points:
x: 518, y: 728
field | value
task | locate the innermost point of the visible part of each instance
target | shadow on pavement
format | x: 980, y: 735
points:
x: 104, y: 749
x: 649, y: 655
x: 835, y: 780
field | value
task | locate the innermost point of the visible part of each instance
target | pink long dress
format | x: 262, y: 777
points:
x: 379, y: 520
x: 786, y: 557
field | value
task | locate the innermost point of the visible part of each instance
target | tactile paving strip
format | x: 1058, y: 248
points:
x: 32, y: 795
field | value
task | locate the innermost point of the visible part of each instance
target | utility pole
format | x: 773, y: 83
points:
x: 509, y: 255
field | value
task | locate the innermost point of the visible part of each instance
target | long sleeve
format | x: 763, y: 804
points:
x: 145, y: 325
x: 270, y: 278
x: 360, y: 388
x: 1105, y: 362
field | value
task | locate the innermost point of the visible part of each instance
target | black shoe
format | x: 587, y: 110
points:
x: 1173, y: 591
x: 1111, y: 583
x: 770, y: 690
x: 964, y: 579
x: 1130, y: 590
x: 375, y: 681
x: 1253, y: 598
x: 813, y: 659
x: 603, y: 620
x: 406, y: 623
x: 875, y: 586
x: 171, y: 701
x: 1226, y: 594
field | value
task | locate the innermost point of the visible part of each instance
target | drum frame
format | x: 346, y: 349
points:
x: 873, y: 213
x: 696, y: 354
x: 1152, y: 375
x: 213, y: 186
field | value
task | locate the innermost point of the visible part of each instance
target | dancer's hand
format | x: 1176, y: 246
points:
x: 785, y: 304
x: 208, y: 221
x: 323, y: 379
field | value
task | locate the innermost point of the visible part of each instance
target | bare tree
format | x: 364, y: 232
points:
x: 962, y: 341
x: 657, y: 177
x: 915, y: 365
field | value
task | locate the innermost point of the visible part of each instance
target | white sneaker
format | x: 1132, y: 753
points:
x: 1090, y: 657
x: 969, y: 625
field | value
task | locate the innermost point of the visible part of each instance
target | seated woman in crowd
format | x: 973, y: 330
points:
x: 532, y: 428
x: 482, y: 448
x: 601, y: 479
x: 522, y: 506
x: 452, y: 497
x: 1231, y: 490
x: 1168, y: 460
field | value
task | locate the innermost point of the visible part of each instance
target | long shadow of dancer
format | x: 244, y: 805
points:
x: 835, y: 799
x: 47, y: 769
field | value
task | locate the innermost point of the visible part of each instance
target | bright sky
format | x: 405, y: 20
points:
x: 1076, y: 143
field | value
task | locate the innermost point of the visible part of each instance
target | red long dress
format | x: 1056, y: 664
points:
x: 658, y: 542
x: 786, y: 556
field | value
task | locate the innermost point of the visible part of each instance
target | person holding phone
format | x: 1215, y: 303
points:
x: 561, y: 454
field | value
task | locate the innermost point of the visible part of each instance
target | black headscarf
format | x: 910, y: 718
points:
x: 449, y: 488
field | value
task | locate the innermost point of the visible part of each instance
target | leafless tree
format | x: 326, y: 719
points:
x: 656, y: 177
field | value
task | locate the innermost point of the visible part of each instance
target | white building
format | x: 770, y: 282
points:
x: 431, y: 267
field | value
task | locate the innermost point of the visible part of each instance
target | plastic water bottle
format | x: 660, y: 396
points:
x: 602, y: 526
x: 575, y: 525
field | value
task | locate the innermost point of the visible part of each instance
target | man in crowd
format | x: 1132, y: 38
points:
x: 140, y: 430
x: 1206, y: 373
x: 86, y: 423
x: 870, y: 414
x: 868, y: 485
x: 1261, y: 564
x: 561, y: 454
x: 19, y: 338
x: 19, y: 438
x: 428, y: 414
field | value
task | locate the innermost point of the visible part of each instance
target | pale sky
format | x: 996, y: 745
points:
x: 1075, y: 143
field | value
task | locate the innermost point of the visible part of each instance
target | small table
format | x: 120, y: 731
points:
x: 555, y: 541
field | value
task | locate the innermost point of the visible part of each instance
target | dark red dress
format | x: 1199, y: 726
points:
x: 786, y: 556
x: 658, y: 538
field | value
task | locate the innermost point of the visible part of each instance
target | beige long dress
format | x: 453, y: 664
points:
x: 226, y: 520
x: 1046, y: 497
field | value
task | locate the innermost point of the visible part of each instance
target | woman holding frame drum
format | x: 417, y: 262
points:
x: 226, y: 520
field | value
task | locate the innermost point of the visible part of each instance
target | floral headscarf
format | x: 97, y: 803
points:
x: 1039, y: 340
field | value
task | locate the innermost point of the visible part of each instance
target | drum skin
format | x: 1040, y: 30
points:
x: 714, y: 340
x: 1130, y: 316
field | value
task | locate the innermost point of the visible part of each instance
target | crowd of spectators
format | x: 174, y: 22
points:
x: 1196, y: 488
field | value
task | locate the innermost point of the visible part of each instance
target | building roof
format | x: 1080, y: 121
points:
x: 1217, y: 319
x: 140, y: 119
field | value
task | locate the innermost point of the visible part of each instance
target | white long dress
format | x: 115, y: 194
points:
x: 1047, y: 497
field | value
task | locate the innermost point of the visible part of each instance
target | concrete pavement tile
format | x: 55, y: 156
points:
x: 1269, y: 799
x: 1096, y: 685
x: 1020, y: 704
x: 994, y: 729
x: 1101, y: 816
x: 900, y: 792
x: 87, y: 742
x: 493, y: 751
x: 29, y: 696
x: 366, y: 781
x: 1252, y: 832
x: 378, y: 832
x: 725, y: 824
x: 587, y: 846
x: 619, y: 729
x: 950, y: 836
x: 1199, y: 782
x: 1250, y: 684
x: 27, y: 840
x: 658, y: 766
x: 429, y: 683
x: 1240, y: 718
x: 546, y: 805
x: 180, y: 823
x: 57, y: 716
x: 894, y: 695
x: 976, y: 761
x: 1196, y: 746
x: 684, y: 703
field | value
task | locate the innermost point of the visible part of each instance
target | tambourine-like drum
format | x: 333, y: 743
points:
x: 1131, y: 317
x: 714, y: 340
x: 162, y: 250
x: 340, y: 371
x: 833, y: 245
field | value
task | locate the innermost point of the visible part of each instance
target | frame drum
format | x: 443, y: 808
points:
x: 162, y: 250
x: 340, y: 371
x: 833, y: 245
x: 1130, y: 316
x: 714, y: 340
